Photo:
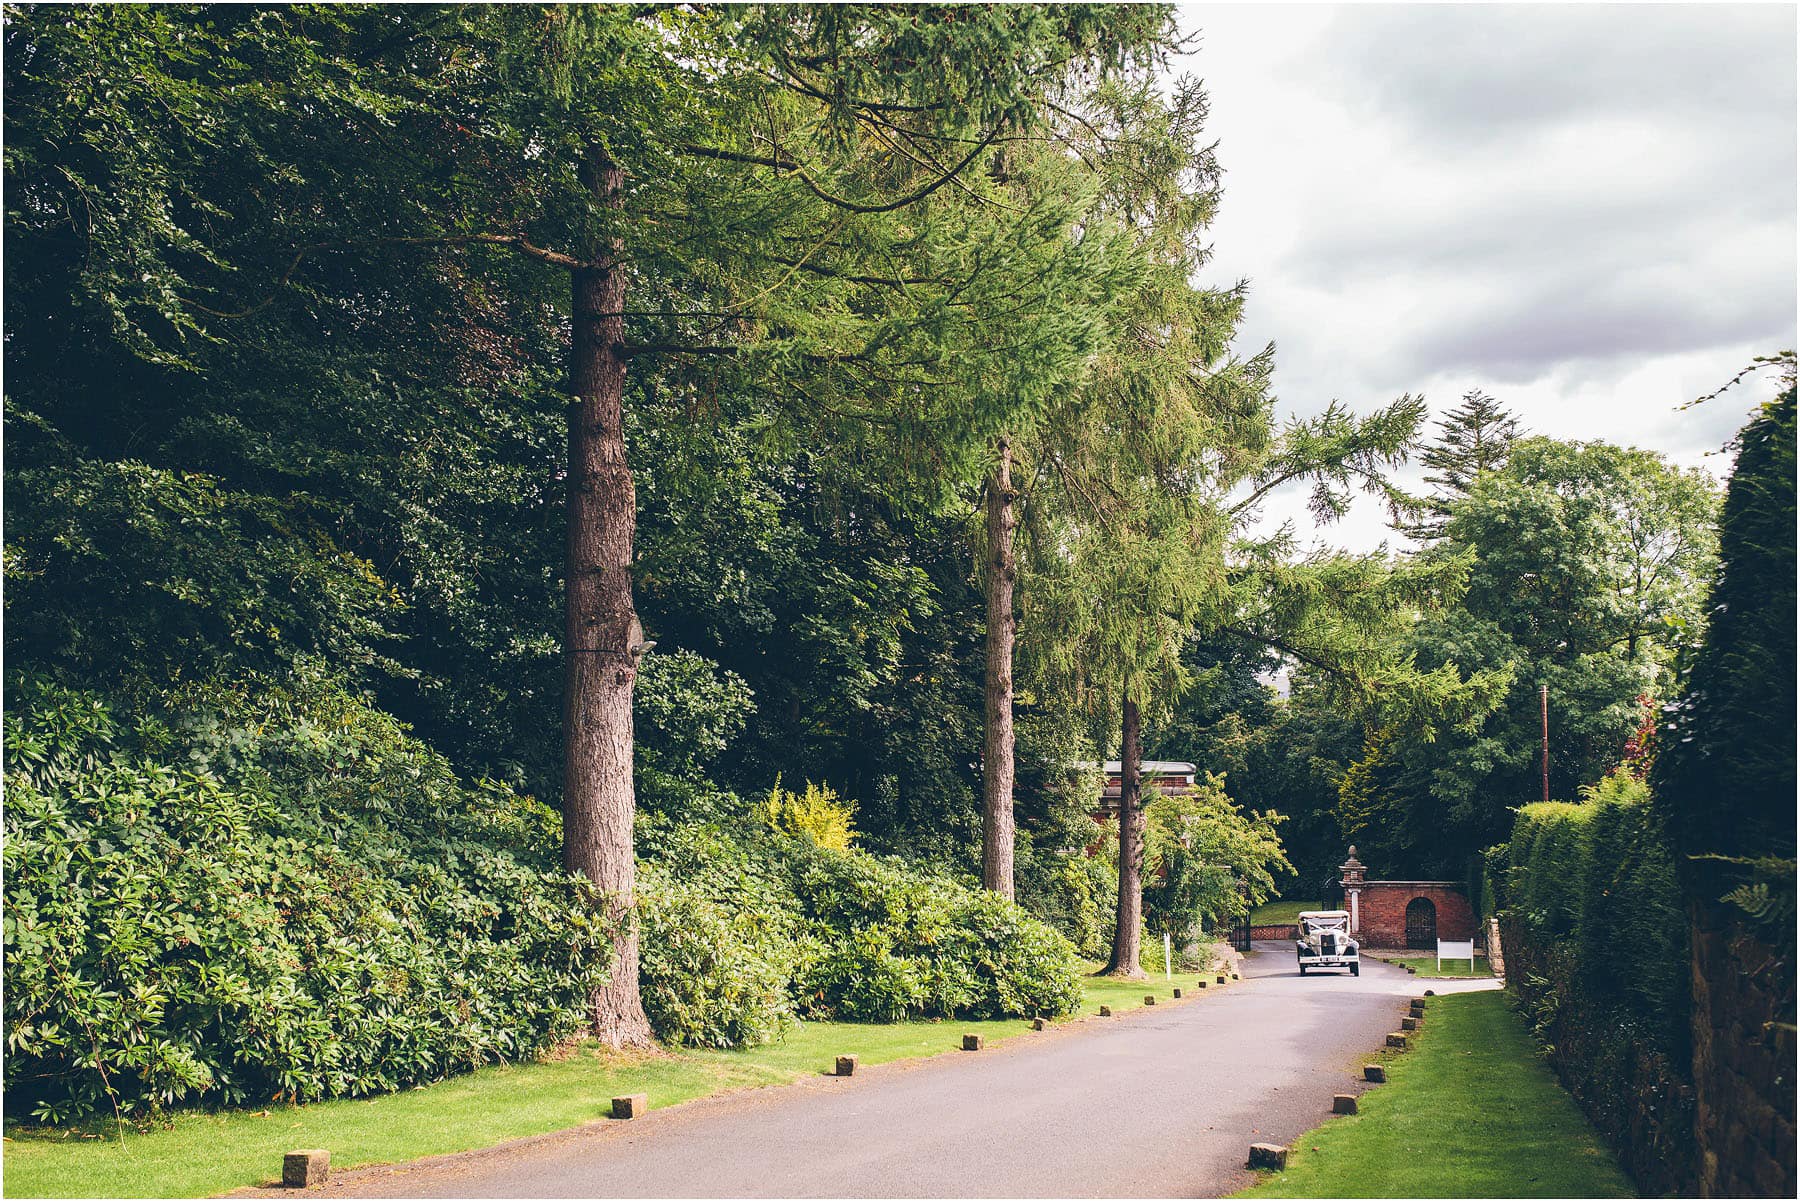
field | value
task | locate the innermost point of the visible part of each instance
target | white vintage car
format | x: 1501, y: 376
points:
x: 1325, y: 941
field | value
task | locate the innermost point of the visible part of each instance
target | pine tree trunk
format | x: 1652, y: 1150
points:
x: 1128, y: 935
x: 599, y: 663
x: 997, y: 745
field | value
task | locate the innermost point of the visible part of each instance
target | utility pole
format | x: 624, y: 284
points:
x: 1544, y: 712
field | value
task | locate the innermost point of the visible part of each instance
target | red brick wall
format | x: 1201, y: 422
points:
x: 1382, y: 912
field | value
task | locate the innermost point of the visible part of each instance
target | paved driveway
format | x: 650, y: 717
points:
x: 1159, y: 1102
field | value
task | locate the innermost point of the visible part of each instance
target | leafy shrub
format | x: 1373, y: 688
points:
x: 292, y: 900
x: 1072, y: 891
x: 1206, y: 861
x: 870, y: 938
x: 884, y: 941
x: 712, y: 975
x: 816, y: 814
x: 687, y: 710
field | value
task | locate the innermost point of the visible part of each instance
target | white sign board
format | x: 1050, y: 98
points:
x: 1451, y: 950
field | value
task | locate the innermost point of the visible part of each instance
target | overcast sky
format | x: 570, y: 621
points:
x: 1588, y: 212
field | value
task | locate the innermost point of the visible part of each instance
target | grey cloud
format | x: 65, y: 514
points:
x: 1515, y: 333
x: 1525, y: 228
x: 1474, y: 76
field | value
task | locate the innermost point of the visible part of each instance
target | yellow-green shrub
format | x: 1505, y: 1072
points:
x: 817, y: 814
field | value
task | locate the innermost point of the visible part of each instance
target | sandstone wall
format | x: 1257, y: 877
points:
x: 1743, y: 1024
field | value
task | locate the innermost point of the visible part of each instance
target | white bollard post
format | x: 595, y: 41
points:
x: 1168, y: 972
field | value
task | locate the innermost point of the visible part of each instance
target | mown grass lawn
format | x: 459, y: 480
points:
x: 1274, y: 913
x: 199, y: 1154
x: 1427, y: 966
x: 1471, y: 1111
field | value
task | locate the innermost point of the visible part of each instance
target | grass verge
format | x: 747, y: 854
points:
x: 1427, y: 966
x: 1472, y: 1112
x: 1275, y: 913
x: 198, y: 1153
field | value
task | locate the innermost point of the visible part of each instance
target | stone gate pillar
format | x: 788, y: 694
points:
x: 1354, y: 875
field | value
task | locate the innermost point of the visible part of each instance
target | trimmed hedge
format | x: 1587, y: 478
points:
x: 1596, y: 949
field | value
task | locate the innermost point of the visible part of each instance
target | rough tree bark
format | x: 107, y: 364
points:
x: 1128, y: 935
x: 600, y: 662
x: 997, y: 747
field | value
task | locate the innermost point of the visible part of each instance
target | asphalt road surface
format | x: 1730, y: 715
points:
x: 1160, y: 1102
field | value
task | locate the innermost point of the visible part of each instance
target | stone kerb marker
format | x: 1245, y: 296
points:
x: 309, y: 1166
x: 1268, y: 1156
x: 631, y: 1106
x: 1343, y: 1103
x: 1149, y: 999
x: 1396, y: 1040
x: 1375, y: 1073
x: 846, y: 1066
x: 972, y: 1043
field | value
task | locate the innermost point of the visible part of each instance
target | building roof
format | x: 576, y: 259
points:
x: 1153, y: 767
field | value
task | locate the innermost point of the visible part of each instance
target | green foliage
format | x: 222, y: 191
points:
x: 1596, y: 946
x: 1206, y: 861
x: 712, y: 975
x: 1729, y: 741
x: 882, y: 942
x: 284, y: 897
x: 816, y: 814
x: 1473, y: 439
x: 119, y: 568
x: 1586, y: 565
x: 850, y: 935
x: 1075, y: 892
x: 686, y: 711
